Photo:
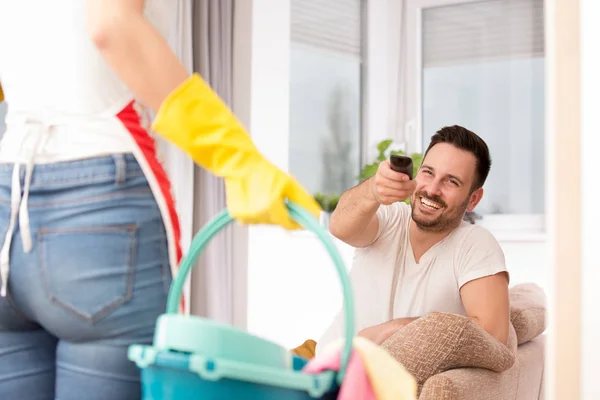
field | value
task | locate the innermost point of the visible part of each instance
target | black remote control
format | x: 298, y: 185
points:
x: 402, y: 164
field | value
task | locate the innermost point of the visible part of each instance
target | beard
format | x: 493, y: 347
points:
x: 445, y: 219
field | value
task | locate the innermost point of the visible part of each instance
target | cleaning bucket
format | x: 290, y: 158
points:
x: 197, y: 358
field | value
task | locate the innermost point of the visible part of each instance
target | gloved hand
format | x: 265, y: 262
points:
x: 196, y: 120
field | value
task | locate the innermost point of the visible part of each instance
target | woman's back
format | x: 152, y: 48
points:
x: 54, y: 77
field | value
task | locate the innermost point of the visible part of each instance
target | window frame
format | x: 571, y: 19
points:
x: 363, y: 143
x: 510, y: 227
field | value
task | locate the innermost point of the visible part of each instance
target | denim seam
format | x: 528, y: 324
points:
x: 13, y: 307
x: 92, y: 162
x: 120, y: 169
x: 164, y: 258
x: 80, y: 200
x: 107, y: 177
x: 96, y: 373
x: 131, y: 229
x: 9, y: 299
x: 38, y: 182
x: 20, y: 374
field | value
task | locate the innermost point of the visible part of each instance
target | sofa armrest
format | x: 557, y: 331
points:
x: 438, y: 342
x: 471, y: 383
x: 523, y: 381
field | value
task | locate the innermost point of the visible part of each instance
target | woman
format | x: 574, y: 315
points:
x: 90, y: 234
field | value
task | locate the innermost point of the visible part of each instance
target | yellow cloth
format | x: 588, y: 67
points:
x: 196, y: 120
x: 389, y: 379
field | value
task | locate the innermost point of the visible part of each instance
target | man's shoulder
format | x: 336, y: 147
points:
x: 472, y: 241
x: 477, y: 253
x: 468, y: 235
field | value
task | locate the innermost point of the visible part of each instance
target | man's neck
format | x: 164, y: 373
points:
x: 422, y: 240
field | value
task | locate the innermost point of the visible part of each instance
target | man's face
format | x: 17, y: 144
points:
x: 443, y: 192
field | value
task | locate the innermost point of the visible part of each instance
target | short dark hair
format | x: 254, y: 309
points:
x: 464, y: 139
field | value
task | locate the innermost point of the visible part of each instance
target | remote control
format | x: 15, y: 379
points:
x: 402, y: 164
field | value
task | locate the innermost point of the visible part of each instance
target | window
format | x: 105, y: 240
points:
x: 480, y: 64
x: 325, y: 94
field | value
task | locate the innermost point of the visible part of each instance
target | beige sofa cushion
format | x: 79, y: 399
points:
x: 527, y: 311
x: 438, y: 342
x: 523, y: 381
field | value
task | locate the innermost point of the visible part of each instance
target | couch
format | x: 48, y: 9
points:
x: 452, y: 358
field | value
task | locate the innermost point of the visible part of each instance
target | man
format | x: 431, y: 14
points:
x: 417, y: 259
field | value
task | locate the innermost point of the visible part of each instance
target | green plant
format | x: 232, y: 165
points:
x: 382, y: 154
x: 327, y: 202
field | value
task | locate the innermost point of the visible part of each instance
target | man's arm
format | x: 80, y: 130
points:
x: 135, y: 50
x: 486, y: 302
x: 380, y: 333
x: 354, y: 220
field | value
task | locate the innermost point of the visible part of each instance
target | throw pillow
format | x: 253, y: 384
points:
x: 527, y: 311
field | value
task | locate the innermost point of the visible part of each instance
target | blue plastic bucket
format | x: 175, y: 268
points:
x: 197, y: 358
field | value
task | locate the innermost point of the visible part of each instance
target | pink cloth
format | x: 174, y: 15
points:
x: 356, y: 384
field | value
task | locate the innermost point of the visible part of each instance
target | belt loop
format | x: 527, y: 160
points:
x: 120, y: 168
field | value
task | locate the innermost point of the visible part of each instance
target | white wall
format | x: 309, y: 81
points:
x: 3, y: 108
x: 294, y: 290
x: 590, y: 167
x: 563, y: 148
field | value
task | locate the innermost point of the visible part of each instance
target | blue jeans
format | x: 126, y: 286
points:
x: 94, y: 282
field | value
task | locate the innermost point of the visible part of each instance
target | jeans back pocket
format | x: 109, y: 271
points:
x: 88, y: 270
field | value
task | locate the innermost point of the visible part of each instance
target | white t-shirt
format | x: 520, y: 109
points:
x: 66, y: 103
x: 58, y: 85
x: 469, y: 252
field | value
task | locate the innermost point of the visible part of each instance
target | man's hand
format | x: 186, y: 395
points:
x: 380, y: 333
x: 389, y: 186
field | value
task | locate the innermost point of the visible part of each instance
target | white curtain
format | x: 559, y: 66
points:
x: 212, y: 280
x: 179, y: 166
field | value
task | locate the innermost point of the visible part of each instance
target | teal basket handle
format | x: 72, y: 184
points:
x: 307, y: 221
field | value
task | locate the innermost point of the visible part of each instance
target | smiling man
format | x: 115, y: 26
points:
x: 417, y: 259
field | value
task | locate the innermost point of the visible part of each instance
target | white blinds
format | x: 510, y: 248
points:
x: 332, y: 25
x: 483, y: 31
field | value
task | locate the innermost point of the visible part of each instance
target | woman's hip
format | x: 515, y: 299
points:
x: 99, y: 254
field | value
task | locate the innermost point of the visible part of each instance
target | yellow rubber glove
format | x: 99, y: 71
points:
x: 196, y: 120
